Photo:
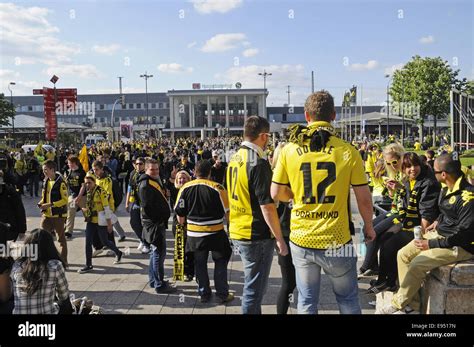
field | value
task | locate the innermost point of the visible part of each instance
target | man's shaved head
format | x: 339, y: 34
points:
x: 446, y: 163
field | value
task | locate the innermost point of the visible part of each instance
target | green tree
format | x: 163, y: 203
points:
x: 7, y: 111
x: 427, y: 83
x: 469, y: 89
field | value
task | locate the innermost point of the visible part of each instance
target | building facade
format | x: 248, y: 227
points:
x: 194, y: 110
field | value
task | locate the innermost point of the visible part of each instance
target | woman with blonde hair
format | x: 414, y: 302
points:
x: 181, y: 178
x: 392, y: 181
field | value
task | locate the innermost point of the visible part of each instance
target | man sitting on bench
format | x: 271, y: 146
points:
x: 448, y: 240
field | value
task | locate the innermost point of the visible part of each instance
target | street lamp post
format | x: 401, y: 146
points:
x: 264, y: 74
x: 146, y: 77
x: 13, y: 116
x: 388, y: 102
x: 112, y: 118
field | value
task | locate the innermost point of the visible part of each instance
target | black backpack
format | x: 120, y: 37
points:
x: 117, y: 192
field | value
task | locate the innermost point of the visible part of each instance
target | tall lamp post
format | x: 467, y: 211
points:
x: 146, y: 77
x: 388, y: 102
x: 13, y: 116
x: 264, y: 74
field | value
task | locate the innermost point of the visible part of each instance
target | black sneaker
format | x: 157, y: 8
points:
x: 165, y: 289
x: 85, y: 269
x: 118, y: 258
x: 205, y: 298
x: 379, y: 288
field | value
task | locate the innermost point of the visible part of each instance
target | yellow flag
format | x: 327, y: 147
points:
x: 39, y: 149
x: 84, y: 159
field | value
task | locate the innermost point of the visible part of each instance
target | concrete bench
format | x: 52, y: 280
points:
x: 448, y: 289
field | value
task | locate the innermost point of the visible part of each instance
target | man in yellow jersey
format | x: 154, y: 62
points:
x: 253, y: 215
x: 316, y: 170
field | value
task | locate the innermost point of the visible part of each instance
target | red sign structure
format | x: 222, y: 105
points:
x: 50, y: 98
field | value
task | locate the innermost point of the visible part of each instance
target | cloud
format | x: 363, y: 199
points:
x: 20, y: 88
x: 174, y: 68
x: 27, y: 34
x: 192, y: 44
x: 427, y: 39
x: 125, y: 90
x: 223, y: 42
x: 282, y: 76
x: 391, y: 69
x: 210, y: 6
x: 83, y: 71
x: 8, y: 74
x: 106, y: 49
x: 371, y: 64
x: 251, y: 52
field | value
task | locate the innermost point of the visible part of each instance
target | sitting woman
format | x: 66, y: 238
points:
x: 419, y: 198
x: 392, y: 156
x: 39, y: 277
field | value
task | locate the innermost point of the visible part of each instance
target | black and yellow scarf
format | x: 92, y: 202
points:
x: 318, y: 133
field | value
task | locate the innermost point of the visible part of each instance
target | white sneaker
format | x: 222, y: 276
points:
x: 140, y: 245
x: 145, y: 250
x: 389, y: 309
x: 97, y: 252
x: 407, y: 310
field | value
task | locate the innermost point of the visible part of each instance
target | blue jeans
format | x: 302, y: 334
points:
x: 102, y: 233
x: 257, y: 259
x: 341, y: 268
x: 156, y: 269
x: 220, y: 273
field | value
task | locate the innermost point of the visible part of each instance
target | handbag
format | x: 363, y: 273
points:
x: 102, y: 221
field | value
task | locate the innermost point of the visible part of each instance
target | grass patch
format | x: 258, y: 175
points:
x: 467, y: 161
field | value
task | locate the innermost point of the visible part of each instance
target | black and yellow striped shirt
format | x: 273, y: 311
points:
x: 204, y: 203
x: 248, y: 181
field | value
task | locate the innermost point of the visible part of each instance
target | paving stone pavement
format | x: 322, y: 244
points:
x: 123, y: 288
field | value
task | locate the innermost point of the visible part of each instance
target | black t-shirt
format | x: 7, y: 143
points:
x: 75, y: 179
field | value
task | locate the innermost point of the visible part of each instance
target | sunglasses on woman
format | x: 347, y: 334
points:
x: 393, y: 162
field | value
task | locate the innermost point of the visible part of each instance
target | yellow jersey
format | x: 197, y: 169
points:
x: 248, y: 181
x: 106, y: 184
x: 320, y: 182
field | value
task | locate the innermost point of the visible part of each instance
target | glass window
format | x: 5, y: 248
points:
x: 131, y: 106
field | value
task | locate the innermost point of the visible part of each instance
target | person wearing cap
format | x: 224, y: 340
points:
x: 185, y: 164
